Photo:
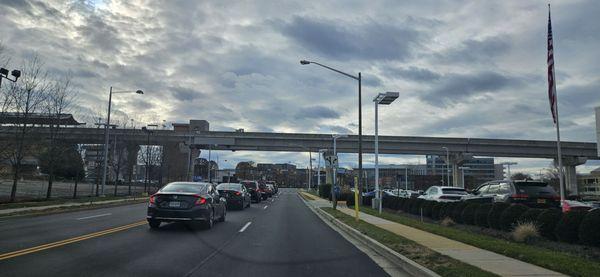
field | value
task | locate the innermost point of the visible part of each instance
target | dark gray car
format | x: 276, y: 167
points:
x: 535, y: 194
x: 188, y: 202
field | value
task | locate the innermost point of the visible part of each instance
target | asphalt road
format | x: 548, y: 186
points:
x: 279, y: 237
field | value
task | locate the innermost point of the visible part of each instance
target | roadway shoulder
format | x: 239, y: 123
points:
x: 399, y: 262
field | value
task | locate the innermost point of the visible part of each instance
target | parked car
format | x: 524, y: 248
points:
x: 254, y: 190
x: 444, y: 194
x: 535, y: 194
x: 236, y: 194
x: 188, y: 202
x: 276, y: 189
x: 264, y: 192
x: 270, y: 189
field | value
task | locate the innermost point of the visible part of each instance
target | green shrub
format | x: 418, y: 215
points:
x: 530, y: 215
x: 428, y: 208
x: 481, y: 214
x: 457, y: 212
x: 406, y: 205
x: 415, y: 207
x: 398, y: 204
x: 589, y: 230
x: 468, y: 214
x: 447, y: 209
x: 567, y: 229
x: 547, y: 221
x: 350, y: 199
x: 510, y: 216
x: 325, y: 191
x: 495, y: 213
x: 435, y: 210
x: 367, y: 200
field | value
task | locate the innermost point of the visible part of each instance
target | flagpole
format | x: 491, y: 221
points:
x: 554, y: 107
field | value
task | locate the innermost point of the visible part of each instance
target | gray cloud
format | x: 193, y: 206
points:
x: 347, y: 40
x: 185, y: 94
x: 412, y: 73
x: 472, y: 50
x: 317, y: 112
x: 456, y: 87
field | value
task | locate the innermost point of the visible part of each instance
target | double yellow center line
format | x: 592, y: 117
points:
x: 68, y: 241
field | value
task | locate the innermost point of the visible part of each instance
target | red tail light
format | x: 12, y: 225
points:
x: 200, y: 201
x: 519, y: 196
x: 152, y: 199
x: 238, y: 193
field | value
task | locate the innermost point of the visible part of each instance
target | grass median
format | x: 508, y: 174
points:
x: 59, y: 201
x: 558, y: 261
x: 441, y: 264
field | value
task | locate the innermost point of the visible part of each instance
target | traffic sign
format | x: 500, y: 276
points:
x: 331, y: 161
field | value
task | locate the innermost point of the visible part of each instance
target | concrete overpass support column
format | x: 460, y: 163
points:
x: 175, y: 161
x: 570, y: 171
x: 456, y: 160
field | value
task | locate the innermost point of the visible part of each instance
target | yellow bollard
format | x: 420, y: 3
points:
x: 356, y: 204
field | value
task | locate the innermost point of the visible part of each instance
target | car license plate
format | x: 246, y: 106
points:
x: 541, y: 201
x: 174, y: 204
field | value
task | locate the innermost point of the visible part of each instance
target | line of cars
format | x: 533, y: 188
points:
x: 534, y: 194
x: 204, y: 203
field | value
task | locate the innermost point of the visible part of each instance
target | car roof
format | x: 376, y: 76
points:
x: 448, y: 187
x: 189, y: 183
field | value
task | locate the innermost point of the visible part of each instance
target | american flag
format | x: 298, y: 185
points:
x: 551, y: 80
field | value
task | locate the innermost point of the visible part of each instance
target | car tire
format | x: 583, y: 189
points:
x: 209, y: 223
x: 154, y: 224
x: 248, y: 205
x: 222, y: 218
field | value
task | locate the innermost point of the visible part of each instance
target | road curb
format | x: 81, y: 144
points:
x: 392, y: 256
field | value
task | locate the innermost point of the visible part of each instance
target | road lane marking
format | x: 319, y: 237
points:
x: 68, y: 241
x: 245, y: 226
x: 265, y: 207
x: 93, y: 216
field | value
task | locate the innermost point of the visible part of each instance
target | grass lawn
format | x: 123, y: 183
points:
x: 441, y: 264
x: 558, y: 261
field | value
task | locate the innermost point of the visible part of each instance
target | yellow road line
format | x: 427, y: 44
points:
x: 68, y: 241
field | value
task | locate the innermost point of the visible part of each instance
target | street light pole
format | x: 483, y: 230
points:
x: 462, y: 168
x: 381, y: 99
x: 106, y: 135
x: 447, y: 165
x: 359, y: 79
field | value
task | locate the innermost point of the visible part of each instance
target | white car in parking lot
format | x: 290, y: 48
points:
x: 444, y: 194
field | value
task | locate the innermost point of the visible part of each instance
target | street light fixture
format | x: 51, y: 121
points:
x: 447, y: 165
x: 106, y: 131
x: 359, y: 79
x: 4, y: 75
x: 381, y: 99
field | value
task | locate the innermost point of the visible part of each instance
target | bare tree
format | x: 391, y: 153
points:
x: 60, y: 98
x: 26, y: 97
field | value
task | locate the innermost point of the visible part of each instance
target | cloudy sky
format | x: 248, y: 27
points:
x: 463, y: 68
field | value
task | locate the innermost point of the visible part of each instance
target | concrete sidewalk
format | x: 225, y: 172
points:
x: 486, y: 260
x: 64, y: 205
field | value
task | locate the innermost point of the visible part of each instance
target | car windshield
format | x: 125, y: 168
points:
x: 535, y: 188
x: 185, y: 188
x: 249, y: 185
x: 454, y: 191
x: 229, y: 187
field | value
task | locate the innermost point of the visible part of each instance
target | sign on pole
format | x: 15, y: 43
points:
x: 331, y: 161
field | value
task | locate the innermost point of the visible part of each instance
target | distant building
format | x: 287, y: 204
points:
x: 480, y: 169
x: 589, y: 184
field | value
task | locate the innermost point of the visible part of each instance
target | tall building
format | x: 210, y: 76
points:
x: 480, y: 169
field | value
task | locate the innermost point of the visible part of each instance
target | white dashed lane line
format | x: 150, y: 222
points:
x: 93, y: 216
x: 265, y: 207
x: 245, y: 226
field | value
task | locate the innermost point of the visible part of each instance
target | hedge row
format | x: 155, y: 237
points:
x: 571, y: 227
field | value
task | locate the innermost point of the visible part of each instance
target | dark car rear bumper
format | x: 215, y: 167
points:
x: 194, y: 214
